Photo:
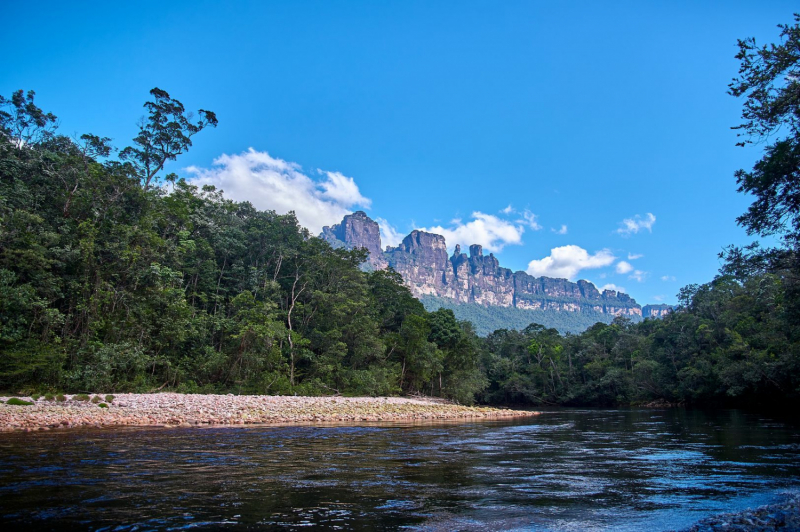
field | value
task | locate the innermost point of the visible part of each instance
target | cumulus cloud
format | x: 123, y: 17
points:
x: 624, y: 267
x: 630, y: 226
x: 507, y: 210
x: 270, y: 183
x: 632, y: 256
x: 638, y: 275
x: 566, y: 261
x: 389, y: 235
x: 562, y: 231
x: 667, y: 277
x: 611, y: 286
x: 342, y: 189
x: 487, y: 230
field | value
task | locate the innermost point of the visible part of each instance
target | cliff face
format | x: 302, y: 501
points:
x: 357, y: 230
x: 422, y: 260
x: 656, y: 311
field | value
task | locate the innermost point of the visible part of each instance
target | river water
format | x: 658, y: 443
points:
x: 563, y: 470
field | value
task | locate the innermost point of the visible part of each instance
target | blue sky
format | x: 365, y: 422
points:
x: 581, y: 139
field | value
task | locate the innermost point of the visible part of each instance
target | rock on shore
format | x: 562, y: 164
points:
x: 784, y: 515
x: 174, y: 410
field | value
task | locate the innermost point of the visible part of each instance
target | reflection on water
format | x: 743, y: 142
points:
x: 565, y: 470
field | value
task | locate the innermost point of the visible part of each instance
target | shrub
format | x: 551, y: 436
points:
x: 18, y: 402
x: 109, y: 398
x: 61, y: 398
x: 103, y: 405
x: 80, y: 397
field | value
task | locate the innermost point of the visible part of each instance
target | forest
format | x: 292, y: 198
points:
x: 115, y: 277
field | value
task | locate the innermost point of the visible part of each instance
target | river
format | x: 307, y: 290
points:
x: 576, y: 470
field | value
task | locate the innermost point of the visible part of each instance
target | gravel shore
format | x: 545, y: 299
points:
x: 784, y: 516
x: 182, y: 410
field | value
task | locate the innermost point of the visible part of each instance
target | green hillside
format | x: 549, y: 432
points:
x: 488, y: 319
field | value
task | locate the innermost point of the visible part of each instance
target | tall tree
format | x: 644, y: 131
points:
x: 166, y: 133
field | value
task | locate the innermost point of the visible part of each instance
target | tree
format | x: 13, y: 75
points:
x: 22, y: 122
x: 165, y: 134
x: 769, y: 78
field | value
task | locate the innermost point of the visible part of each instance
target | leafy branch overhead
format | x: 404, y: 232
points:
x: 769, y: 79
x: 164, y: 134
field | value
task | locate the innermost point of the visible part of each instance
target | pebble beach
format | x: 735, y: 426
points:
x: 182, y: 410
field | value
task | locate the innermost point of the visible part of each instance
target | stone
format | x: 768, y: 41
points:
x: 357, y: 230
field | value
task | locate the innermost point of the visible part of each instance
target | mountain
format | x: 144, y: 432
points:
x: 474, y: 279
x: 656, y: 311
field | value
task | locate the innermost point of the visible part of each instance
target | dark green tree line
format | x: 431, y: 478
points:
x: 108, y: 280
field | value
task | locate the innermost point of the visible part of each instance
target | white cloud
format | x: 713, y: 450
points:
x: 611, y: 286
x: 638, y: 275
x: 562, y: 231
x: 667, y: 277
x: 567, y: 261
x: 485, y: 229
x: 529, y: 219
x: 624, y: 267
x: 508, y: 210
x: 637, y: 223
x: 342, y: 189
x: 658, y: 298
x: 389, y: 235
x: 275, y: 184
x: 632, y: 256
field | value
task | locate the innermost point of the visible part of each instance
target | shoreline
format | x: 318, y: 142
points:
x: 198, y: 410
x: 783, y: 514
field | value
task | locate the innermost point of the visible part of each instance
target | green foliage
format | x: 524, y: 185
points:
x: 109, y: 282
x: 488, y: 319
x: 80, y: 397
x: 18, y: 402
x: 164, y: 135
x: 102, y: 405
x: 769, y: 79
x: 730, y: 343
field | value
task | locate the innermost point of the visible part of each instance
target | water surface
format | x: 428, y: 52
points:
x: 564, y: 470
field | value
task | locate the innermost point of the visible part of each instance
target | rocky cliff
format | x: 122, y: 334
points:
x: 357, y: 230
x: 423, y: 261
x: 656, y: 311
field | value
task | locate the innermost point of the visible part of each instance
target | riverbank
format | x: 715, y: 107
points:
x: 784, y: 515
x: 186, y: 410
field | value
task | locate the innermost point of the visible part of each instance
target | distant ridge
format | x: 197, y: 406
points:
x: 476, y: 279
x: 487, y: 319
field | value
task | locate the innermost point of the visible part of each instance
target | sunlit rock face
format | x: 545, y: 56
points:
x: 357, y: 230
x: 427, y: 270
x: 656, y: 311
